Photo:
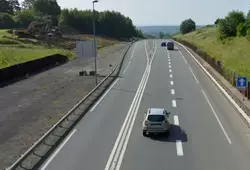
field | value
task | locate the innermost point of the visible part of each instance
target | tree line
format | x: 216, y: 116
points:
x: 236, y: 23
x: 108, y: 23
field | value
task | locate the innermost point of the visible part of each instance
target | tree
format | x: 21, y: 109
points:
x: 217, y: 21
x: 49, y: 7
x: 241, y: 29
x: 25, y: 17
x: 5, y: 7
x: 6, y: 21
x: 187, y: 26
x: 14, y: 4
x: 248, y: 15
x: 28, y: 4
x: 233, y: 19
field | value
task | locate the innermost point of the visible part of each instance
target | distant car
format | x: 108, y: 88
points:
x: 156, y: 120
x: 163, y: 44
x: 170, y: 46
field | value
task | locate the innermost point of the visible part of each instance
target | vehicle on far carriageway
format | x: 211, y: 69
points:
x: 156, y: 120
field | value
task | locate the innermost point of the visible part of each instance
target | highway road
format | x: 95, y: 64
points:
x: 207, y: 133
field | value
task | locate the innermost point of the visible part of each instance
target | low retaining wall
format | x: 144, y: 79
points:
x: 20, y: 71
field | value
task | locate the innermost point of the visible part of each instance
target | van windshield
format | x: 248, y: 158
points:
x: 156, y: 118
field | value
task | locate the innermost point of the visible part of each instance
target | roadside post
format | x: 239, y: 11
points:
x: 242, y: 84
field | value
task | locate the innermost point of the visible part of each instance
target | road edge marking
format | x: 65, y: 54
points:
x: 99, y: 101
x: 58, y: 150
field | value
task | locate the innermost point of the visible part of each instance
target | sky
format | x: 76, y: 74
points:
x: 164, y: 12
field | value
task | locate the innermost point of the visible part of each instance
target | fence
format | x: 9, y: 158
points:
x: 228, y: 74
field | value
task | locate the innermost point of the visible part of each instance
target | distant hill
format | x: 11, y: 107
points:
x: 154, y: 30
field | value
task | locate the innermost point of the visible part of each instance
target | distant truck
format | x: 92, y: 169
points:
x: 170, y: 46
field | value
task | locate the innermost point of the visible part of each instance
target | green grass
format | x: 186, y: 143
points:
x: 10, y: 56
x: 15, y: 51
x: 234, y: 52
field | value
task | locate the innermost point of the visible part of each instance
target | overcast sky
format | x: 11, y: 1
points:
x: 164, y: 12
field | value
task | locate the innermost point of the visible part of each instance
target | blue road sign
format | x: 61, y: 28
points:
x: 242, y: 83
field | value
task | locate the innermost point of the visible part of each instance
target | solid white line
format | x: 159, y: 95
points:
x: 172, y: 83
x: 172, y: 91
x: 176, y: 120
x: 193, y: 75
x: 117, y: 153
x: 169, y: 66
x: 126, y: 67
x: 58, y: 150
x: 91, y: 110
x: 217, y: 118
x: 173, y: 103
x: 179, y: 148
x: 171, y: 76
x: 169, y: 62
x: 133, y: 51
x: 219, y: 86
x: 170, y: 70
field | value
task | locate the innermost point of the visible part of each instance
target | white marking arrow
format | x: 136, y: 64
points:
x: 241, y: 81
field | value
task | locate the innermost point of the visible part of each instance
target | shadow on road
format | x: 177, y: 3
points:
x: 176, y: 133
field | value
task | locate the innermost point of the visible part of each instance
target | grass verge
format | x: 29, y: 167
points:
x: 233, y: 52
x: 15, y: 50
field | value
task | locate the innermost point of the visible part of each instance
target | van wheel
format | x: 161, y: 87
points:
x: 144, y: 133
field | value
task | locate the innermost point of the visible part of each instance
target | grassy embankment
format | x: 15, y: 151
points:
x: 15, y: 50
x: 234, y: 52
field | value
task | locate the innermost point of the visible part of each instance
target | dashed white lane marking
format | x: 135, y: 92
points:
x: 194, y: 75
x: 171, y: 76
x: 179, y: 147
x: 217, y: 118
x: 169, y: 59
x: 104, y: 95
x: 172, y: 83
x: 170, y: 70
x: 183, y: 57
x: 58, y: 150
x: 176, y: 120
x: 173, y: 103
x: 169, y: 66
x: 172, y: 91
x: 169, y: 62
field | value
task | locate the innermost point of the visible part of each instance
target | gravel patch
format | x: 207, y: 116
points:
x: 30, y: 107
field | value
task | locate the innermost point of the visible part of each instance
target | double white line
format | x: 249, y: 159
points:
x: 117, y: 154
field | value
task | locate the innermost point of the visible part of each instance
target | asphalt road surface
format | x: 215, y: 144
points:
x: 206, y: 134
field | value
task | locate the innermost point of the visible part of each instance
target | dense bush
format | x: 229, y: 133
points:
x: 241, y: 29
x: 234, y: 24
x: 109, y: 23
x: 187, y: 26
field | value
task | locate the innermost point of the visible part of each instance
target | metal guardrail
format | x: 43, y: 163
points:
x: 35, y: 157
